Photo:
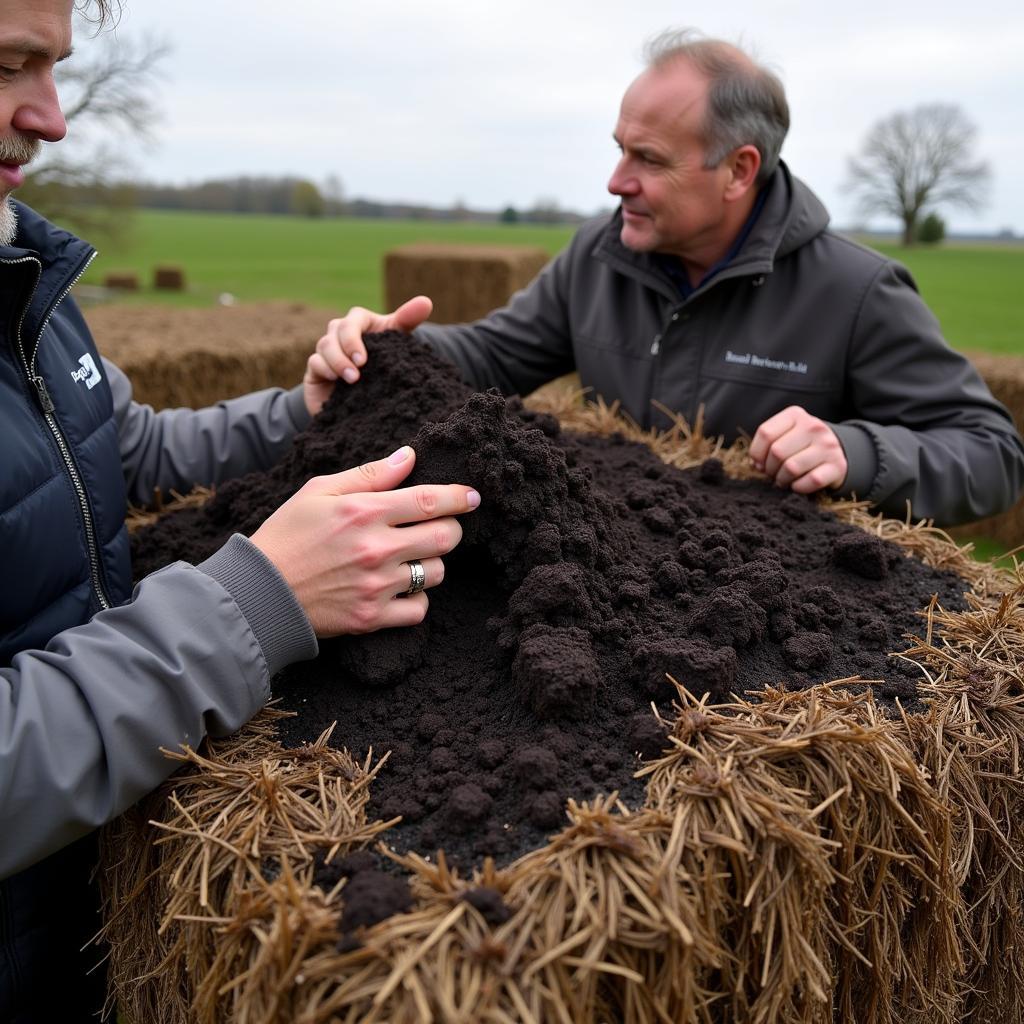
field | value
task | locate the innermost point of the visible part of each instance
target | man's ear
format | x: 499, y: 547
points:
x: 743, y: 163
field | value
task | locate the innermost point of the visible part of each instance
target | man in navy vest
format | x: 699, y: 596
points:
x: 94, y: 677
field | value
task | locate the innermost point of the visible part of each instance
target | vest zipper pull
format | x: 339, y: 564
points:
x: 44, y: 396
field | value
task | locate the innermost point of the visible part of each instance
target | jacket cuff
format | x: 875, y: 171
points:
x: 295, y: 402
x: 274, y: 615
x: 861, y: 460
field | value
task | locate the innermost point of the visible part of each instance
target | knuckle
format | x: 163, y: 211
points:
x: 365, y: 557
x: 371, y: 587
x: 357, y: 517
x: 364, y: 617
x: 444, y: 539
x: 369, y: 471
x: 427, y: 501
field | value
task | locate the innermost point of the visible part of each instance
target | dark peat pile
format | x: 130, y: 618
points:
x: 590, y: 573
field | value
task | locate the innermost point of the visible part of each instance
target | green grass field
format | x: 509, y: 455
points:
x: 334, y: 263
x: 975, y: 290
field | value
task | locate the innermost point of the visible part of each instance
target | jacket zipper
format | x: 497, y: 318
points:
x: 46, y: 404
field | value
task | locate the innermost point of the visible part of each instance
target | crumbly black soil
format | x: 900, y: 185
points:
x: 590, y: 571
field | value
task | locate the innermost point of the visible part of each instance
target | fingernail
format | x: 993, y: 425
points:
x: 399, y: 456
x: 358, y: 358
x: 472, y: 499
x: 350, y: 375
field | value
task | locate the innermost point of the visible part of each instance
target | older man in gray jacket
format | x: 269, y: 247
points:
x: 717, y: 286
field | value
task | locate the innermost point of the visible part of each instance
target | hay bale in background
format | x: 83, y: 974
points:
x: 125, y: 281
x: 169, y: 278
x: 1005, y: 377
x: 465, y: 281
x: 196, y: 357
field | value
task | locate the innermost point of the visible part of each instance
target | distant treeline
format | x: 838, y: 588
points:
x: 304, y: 198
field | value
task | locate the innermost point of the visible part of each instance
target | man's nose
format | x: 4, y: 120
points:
x: 39, y: 114
x: 621, y: 182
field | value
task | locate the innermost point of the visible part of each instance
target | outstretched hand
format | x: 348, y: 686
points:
x: 342, y: 543
x: 340, y: 352
x: 799, y: 451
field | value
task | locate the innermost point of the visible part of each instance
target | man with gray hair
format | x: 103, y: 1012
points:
x: 717, y: 287
x: 97, y: 674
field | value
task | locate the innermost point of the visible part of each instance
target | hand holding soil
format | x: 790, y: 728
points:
x: 340, y: 352
x: 344, y: 543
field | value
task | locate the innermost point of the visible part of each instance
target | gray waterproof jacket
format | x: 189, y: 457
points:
x: 801, y: 316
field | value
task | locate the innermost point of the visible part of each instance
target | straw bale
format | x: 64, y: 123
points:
x: 465, y: 282
x: 971, y: 744
x: 800, y: 857
x: 828, y: 851
x: 1004, y: 374
x: 123, y: 281
x: 169, y: 277
x: 197, y: 357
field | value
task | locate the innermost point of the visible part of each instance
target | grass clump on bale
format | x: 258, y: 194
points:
x: 789, y: 860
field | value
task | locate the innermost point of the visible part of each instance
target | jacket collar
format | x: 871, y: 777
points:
x: 40, y: 244
x: 791, y: 216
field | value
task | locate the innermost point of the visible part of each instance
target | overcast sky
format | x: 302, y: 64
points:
x: 497, y: 104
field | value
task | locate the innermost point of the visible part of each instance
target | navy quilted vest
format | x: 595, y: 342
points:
x: 62, y: 495
x: 64, y: 551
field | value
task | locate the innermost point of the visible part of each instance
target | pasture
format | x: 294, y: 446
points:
x: 975, y: 290
x: 331, y: 263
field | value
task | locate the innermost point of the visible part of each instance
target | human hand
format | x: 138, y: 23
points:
x: 342, y: 543
x: 799, y: 451
x: 340, y: 352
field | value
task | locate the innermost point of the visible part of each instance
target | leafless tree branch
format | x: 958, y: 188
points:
x: 109, y: 97
x: 917, y: 160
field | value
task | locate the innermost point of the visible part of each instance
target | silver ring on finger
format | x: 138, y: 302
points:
x: 417, y: 577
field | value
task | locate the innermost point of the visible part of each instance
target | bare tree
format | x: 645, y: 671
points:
x: 109, y: 102
x: 919, y: 160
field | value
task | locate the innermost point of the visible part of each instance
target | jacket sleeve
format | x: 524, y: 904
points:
x: 522, y: 345
x: 925, y: 428
x: 82, y: 721
x: 176, y: 449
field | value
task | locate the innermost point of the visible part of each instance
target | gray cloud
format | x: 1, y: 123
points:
x: 497, y: 104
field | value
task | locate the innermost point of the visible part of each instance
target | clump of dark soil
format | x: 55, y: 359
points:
x: 590, y: 571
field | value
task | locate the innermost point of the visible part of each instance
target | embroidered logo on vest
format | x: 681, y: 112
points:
x: 89, y: 372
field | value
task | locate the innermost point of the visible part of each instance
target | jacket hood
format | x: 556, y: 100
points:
x: 791, y: 217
